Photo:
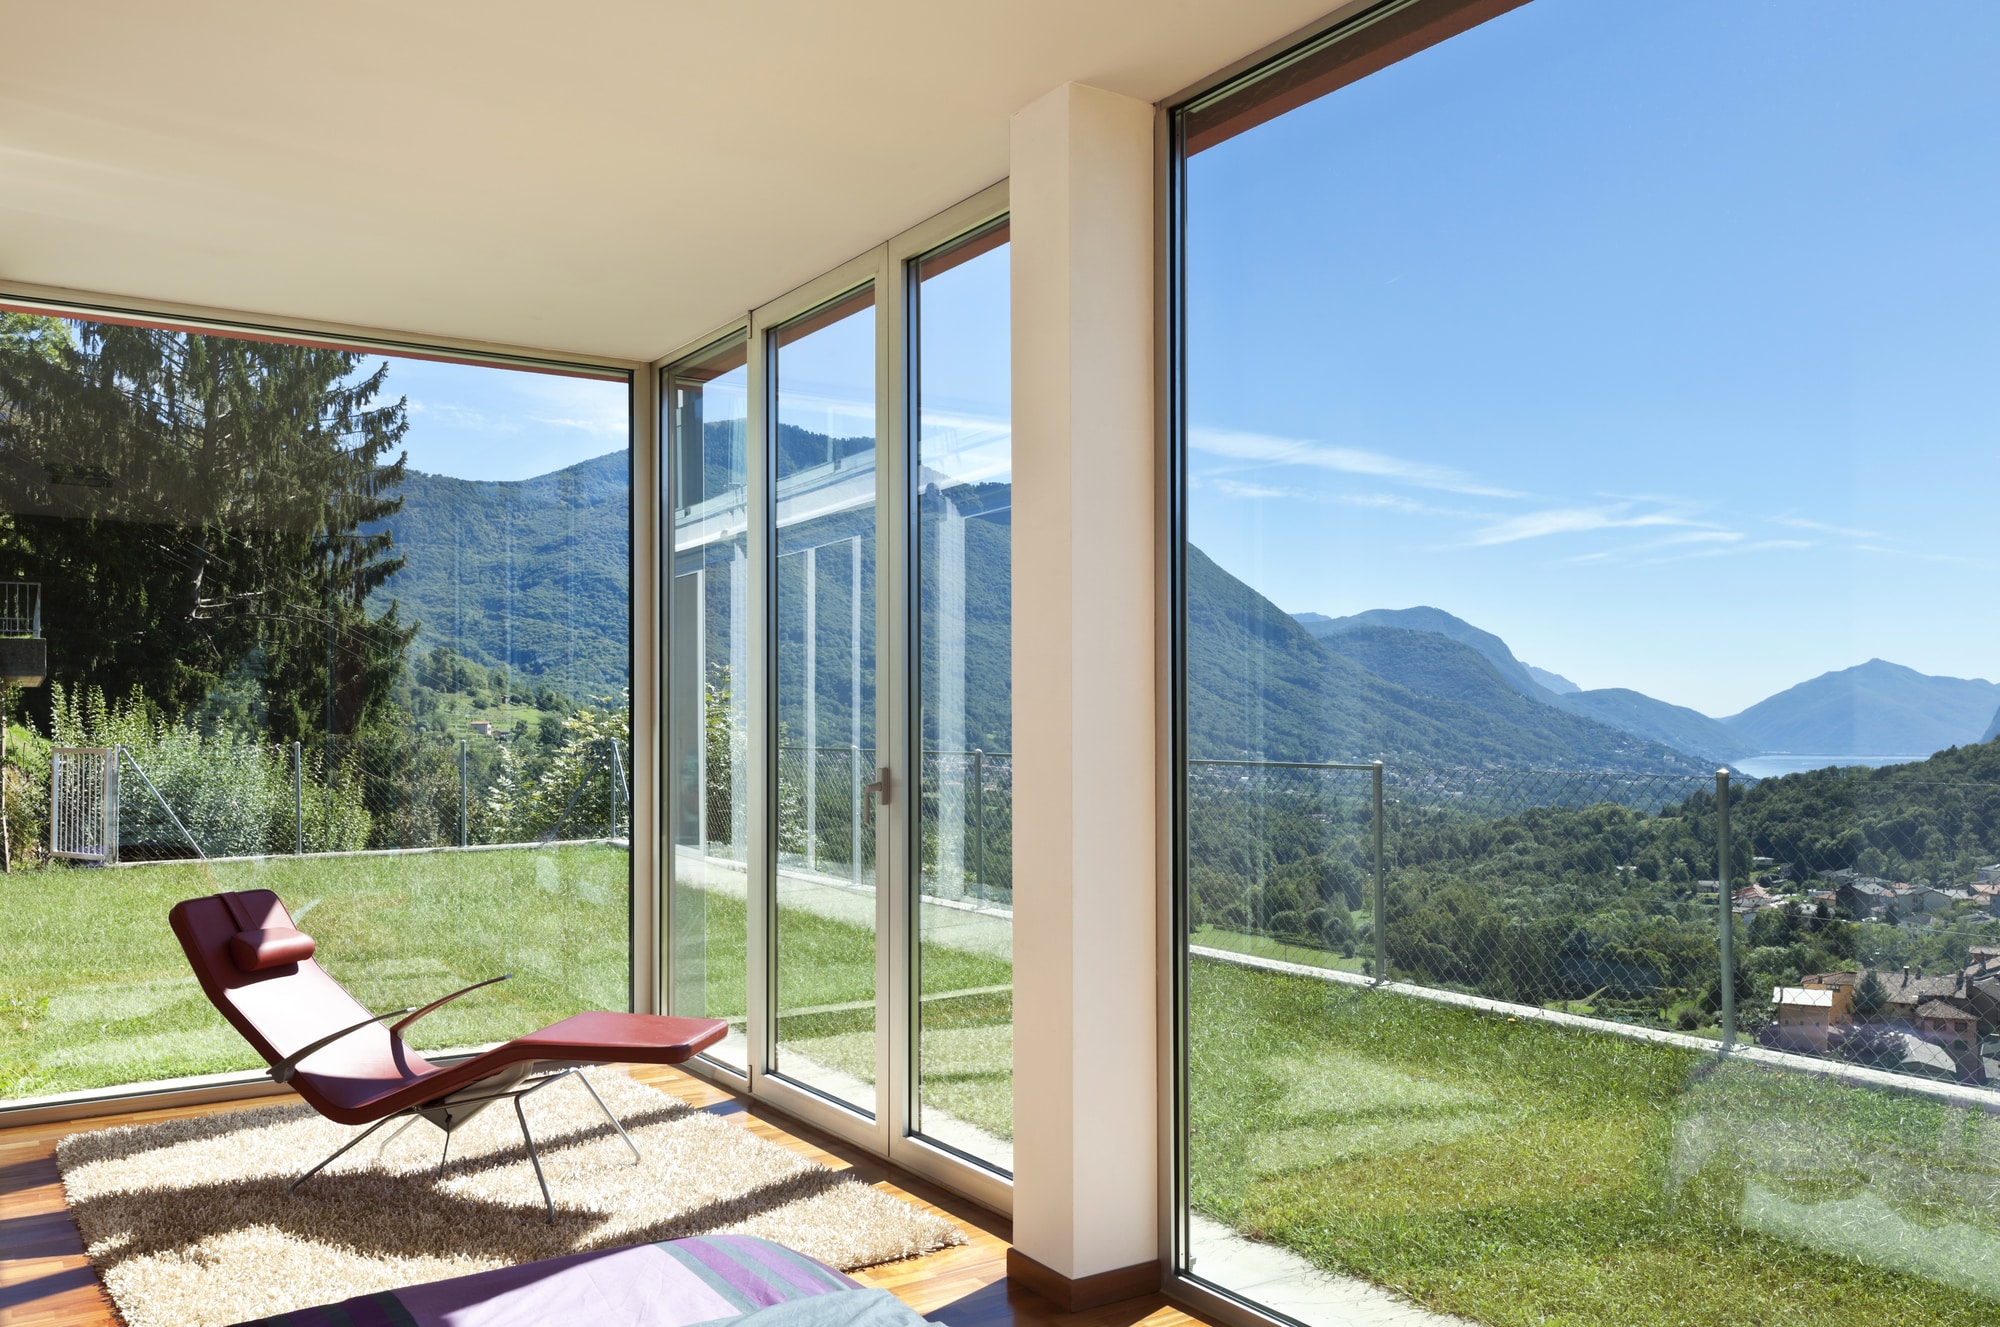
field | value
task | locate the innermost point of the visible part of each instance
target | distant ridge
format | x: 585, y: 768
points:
x: 1876, y: 708
x: 1425, y: 618
x: 1676, y: 725
x: 1555, y: 682
x: 1262, y: 687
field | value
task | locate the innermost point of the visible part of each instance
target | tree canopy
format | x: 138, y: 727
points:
x: 191, y: 504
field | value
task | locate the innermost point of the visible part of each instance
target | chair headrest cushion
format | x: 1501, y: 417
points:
x: 254, y: 951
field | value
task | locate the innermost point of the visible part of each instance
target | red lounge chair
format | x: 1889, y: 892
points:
x: 258, y: 970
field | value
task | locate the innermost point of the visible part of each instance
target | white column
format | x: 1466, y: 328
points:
x: 1084, y: 530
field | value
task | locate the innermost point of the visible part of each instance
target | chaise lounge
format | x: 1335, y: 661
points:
x: 258, y: 969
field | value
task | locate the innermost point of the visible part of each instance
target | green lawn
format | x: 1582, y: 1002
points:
x: 1516, y: 1173
x: 826, y: 971
x: 94, y: 989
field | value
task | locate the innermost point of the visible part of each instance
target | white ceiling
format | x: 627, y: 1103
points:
x: 612, y: 178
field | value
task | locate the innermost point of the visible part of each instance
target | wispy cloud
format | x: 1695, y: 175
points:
x: 1577, y: 520
x: 1255, y: 492
x: 1392, y: 502
x: 1718, y: 550
x: 1801, y: 523
x: 1343, y: 460
x: 604, y: 427
x: 1915, y: 556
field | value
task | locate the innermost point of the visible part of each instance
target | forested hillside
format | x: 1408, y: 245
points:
x: 1592, y: 889
x: 528, y: 576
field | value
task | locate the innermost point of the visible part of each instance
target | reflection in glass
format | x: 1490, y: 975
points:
x: 708, y: 714
x: 964, y: 916
x: 1653, y: 345
x: 823, y: 367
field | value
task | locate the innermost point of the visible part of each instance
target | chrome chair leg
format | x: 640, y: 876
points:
x: 535, y: 1157
x: 361, y: 1137
x: 445, y: 1155
x: 588, y: 1087
x: 383, y: 1150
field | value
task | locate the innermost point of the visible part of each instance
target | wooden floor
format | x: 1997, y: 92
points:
x: 46, y: 1281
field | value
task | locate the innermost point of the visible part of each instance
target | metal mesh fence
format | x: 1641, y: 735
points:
x: 1863, y: 907
x: 1570, y: 890
x: 825, y: 824
x: 1282, y: 854
x: 966, y: 825
x: 216, y: 798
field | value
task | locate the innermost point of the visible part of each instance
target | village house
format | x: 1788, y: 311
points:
x: 1803, y: 1019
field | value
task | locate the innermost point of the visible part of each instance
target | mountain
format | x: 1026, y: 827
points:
x: 1434, y: 620
x: 528, y: 575
x: 1422, y: 668
x: 1876, y: 708
x: 1992, y: 729
x: 1676, y: 725
x: 1555, y: 682
x: 1261, y: 686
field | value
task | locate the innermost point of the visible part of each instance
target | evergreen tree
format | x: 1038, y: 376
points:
x: 1870, y: 995
x: 190, y: 502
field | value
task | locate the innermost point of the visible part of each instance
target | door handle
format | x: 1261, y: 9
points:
x: 878, y: 791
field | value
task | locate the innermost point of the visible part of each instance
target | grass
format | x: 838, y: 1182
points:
x: 1262, y: 946
x: 1517, y: 1173
x: 826, y: 1000
x: 95, y: 991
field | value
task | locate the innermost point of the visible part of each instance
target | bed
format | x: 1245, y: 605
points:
x: 734, y: 1279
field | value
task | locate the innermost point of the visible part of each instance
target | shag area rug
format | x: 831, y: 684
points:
x: 188, y: 1223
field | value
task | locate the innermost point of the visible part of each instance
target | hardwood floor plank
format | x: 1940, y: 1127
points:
x: 45, y: 1281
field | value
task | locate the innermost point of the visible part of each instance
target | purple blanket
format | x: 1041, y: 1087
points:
x: 674, y: 1284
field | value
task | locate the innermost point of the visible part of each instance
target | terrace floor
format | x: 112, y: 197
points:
x: 45, y: 1280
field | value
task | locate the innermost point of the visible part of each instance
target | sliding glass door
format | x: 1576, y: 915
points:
x: 707, y: 821
x: 964, y: 918
x: 838, y: 754
x: 827, y: 774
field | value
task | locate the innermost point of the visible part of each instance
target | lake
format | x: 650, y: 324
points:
x: 1771, y: 766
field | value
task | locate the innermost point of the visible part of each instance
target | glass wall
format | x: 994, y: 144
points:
x: 707, y: 611
x: 823, y: 375
x: 349, y: 627
x: 964, y: 482
x: 1572, y: 404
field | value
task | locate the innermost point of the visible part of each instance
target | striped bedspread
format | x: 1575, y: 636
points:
x: 679, y: 1283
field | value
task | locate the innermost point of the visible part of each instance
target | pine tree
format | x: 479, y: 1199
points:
x: 190, y: 502
x: 1870, y: 996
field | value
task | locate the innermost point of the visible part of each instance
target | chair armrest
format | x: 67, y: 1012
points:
x: 283, y: 1070
x: 441, y: 1002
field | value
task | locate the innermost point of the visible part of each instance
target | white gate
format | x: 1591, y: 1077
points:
x: 83, y: 803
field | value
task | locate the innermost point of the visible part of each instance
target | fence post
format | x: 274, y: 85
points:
x: 1381, y: 889
x: 979, y: 820
x: 298, y: 802
x: 464, y: 795
x: 611, y: 779
x: 111, y: 826
x: 1725, y: 904
x: 855, y: 795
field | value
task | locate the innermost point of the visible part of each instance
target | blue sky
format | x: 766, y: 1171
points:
x: 966, y: 428
x: 1662, y: 340
x: 472, y: 422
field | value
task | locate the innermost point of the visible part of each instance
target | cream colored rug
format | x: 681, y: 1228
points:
x: 188, y: 1223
